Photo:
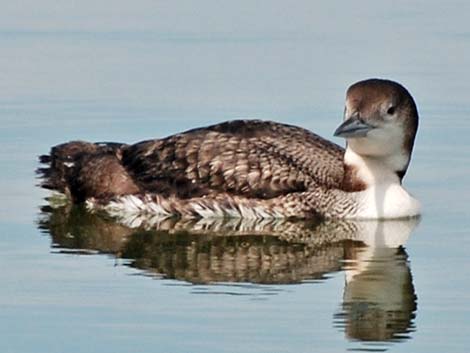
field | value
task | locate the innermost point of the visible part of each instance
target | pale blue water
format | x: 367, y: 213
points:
x: 118, y: 71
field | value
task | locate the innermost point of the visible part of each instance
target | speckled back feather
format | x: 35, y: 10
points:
x: 242, y: 168
x: 251, y: 158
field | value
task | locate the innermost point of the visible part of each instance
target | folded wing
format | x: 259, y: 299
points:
x: 245, y: 157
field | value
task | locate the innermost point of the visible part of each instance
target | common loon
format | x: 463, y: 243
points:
x: 253, y: 168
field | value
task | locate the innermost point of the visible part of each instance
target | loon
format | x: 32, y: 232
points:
x: 254, y: 168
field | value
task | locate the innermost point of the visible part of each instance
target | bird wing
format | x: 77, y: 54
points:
x: 252, y: 158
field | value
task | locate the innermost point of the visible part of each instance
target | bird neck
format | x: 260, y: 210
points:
x: 362, y: 172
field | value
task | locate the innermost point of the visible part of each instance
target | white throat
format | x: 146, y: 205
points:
x: 376, y: 170
x: 384, y: 197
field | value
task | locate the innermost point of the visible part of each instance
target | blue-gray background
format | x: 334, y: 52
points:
x: 127, y: 71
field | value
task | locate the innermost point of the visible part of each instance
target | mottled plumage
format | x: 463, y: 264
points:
x: 252, y: 158
x: 248, y: 168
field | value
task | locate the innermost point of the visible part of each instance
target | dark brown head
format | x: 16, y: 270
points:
x: 380, y: 121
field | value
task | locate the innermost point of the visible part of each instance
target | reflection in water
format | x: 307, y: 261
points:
x: 379, y: 301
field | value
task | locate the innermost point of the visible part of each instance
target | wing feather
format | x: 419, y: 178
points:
x: 244, y: 157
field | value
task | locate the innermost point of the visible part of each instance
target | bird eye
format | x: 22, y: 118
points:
x: 391, y: 110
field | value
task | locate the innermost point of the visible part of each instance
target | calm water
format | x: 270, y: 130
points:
x: 73, y: 282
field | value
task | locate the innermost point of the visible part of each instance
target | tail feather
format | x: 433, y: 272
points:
x: 44, y: 159
x: 81, y: 170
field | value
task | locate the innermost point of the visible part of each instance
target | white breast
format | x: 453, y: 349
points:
x: 384, y: 198
x: 386, y: 201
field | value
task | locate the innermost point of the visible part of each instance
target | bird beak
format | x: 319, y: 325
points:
x: 353, y: 128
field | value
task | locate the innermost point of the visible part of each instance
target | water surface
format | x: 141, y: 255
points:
x: 120, y: 72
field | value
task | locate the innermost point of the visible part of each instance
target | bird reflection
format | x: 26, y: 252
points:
x: 379, y: 301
